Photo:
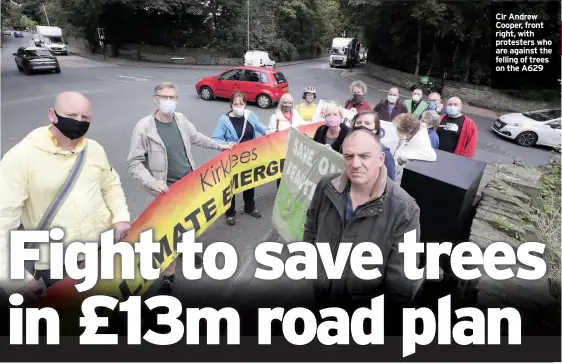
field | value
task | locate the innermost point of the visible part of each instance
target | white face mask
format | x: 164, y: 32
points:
x: 168, y: 107
x: 416, y: 98
x: 238, y: 111
x: 392, y: 99
x: 452, y: 110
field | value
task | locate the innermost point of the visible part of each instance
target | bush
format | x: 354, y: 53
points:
x: 547, y: 211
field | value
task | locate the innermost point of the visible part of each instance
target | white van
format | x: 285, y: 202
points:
x: 258, y: 59
x: 51, y: 38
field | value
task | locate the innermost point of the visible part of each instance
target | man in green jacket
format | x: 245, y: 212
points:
x: 416, y: 105
x: 362, y: 205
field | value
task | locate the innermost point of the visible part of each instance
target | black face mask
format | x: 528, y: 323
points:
x: 362, y: 127
x: 286, y: 108
x: 71, y: 128
x: 357, y: 99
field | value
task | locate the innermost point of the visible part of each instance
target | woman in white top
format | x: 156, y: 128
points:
x: 285, y: 116
x: 414, y: 143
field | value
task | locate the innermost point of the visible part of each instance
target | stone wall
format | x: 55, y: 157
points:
x: 178, y: 55
x: 486, y: 97
x: 481, y: 96
x: 79, y: 43
x: 150, y: 53
x: 503, y: 216
x: 160, y: 54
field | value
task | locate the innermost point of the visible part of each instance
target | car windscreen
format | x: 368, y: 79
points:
x: 49, y: 40
x: 337, y: 51
x: 38, y: 53
x: 280, y: 77
x: 544, y: 115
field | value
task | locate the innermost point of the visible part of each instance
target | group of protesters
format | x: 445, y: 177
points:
x: 365, y: 203
x: 33, y: 174
x: 421, y: 126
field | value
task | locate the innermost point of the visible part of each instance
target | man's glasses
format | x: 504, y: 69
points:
x: 164, y: 97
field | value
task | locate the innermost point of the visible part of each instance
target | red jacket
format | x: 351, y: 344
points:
x: 468, y: 138
x: 364, y: 105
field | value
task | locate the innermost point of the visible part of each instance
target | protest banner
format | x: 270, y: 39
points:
x: 319, y: 114
x: 389, y: 137
x: 306, y: 163
x: 194, y: 202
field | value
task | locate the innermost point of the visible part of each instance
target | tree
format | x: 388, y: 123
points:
x: 11, y: 15
x: 428, y: 15
x: 285, y: 28
x: 25, y: 22
x: 33, y: 10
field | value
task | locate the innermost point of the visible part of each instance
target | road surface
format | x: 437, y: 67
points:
x: 122, y: 95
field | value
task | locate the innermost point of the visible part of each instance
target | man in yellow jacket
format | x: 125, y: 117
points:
x: 33, y: 172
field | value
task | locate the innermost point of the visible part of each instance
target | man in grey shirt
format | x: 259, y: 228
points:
x: 160, y: 153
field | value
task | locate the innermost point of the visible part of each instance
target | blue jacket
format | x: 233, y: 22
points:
x: 225, y: 132
x: 433, y: 138
x: 389, y: 163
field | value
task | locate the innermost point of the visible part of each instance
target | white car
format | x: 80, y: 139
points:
x: 540, y: 127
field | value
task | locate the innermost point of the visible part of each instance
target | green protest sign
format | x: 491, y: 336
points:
x: 306, y: 162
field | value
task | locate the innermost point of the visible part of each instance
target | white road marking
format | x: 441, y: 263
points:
x: 112, y: 79
x: 134, y: 78
x: 121, y: 78
x: 143, y: 76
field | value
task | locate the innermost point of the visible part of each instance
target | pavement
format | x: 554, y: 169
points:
x: 122, y: 95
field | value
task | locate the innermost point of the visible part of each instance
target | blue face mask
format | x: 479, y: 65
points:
x: 432, y: 106
x: 452, y: 110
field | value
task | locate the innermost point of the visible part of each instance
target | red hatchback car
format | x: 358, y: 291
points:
x: 261, y: 85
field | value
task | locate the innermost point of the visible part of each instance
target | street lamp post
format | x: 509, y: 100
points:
x: 248, y: 25
x: 46, y: 16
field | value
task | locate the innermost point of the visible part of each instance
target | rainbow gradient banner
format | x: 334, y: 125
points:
x: 194, y: 202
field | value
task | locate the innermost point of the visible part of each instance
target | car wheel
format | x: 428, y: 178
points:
x: 331, y: 66
x: 527, y: 139
x: 20, y: 69
x: 206, y: 93
x: 27, y: 71
x: 263, y: 101
x: 57, y: 70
